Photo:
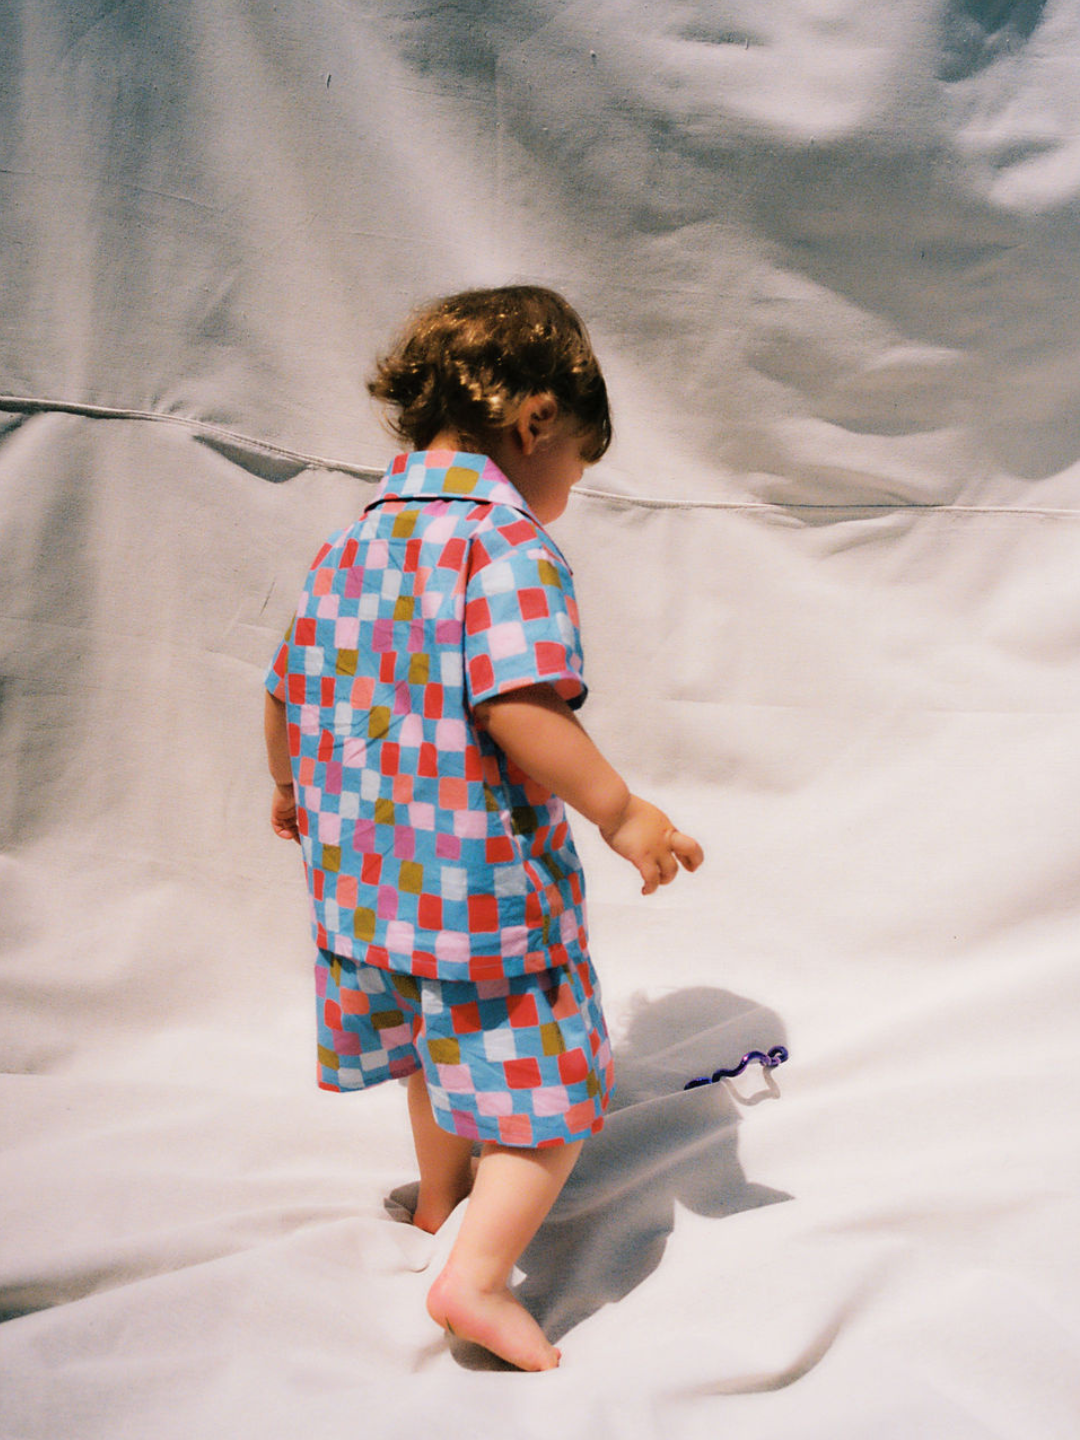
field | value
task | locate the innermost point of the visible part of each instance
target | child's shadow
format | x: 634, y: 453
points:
x: 660, y: 1144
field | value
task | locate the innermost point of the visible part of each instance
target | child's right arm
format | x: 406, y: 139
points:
x: 283, y: 804
x: 541, y: 735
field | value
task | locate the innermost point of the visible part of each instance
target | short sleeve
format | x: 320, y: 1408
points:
x: 275, y: 676
x: 521, y: 618
x: 275, y: 679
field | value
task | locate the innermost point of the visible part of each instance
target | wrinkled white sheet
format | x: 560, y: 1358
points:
x: 829, y: 578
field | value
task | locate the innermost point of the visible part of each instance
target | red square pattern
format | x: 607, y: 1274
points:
x: 354, y: 1002
x: 564, y: 1003
x: 515, y: 1130
x: 362, y: 692
x: 477, y: 617
x: 550, y: 657
x: 523, y: 1074
x: 581, y: 1116
x: 522, y: 1011
x: 573, y: 1067
x: 390, y: 757
x: 466, y: 1018
x: 485, y: 967
x: 454, y: 795
x: 533, y: 604
x: 518, y: 532
x: 481, y: 674
x: 453, y: 554
x: 429, y: 912
x: 483, y: 913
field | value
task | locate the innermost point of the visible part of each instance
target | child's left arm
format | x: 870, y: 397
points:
x: 283, y: 805
x: 541, y: 734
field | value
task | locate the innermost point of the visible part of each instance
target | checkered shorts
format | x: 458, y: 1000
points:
x: 520, y: 1061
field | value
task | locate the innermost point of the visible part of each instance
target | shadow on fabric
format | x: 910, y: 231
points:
x: 661, y: 1144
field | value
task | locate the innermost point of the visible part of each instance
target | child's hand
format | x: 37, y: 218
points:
x: 283, y: 813
x: 646, y: 837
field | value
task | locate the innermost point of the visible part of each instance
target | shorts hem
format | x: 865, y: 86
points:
x: 488, y: 1134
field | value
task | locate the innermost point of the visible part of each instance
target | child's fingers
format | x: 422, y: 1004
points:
x: 285, y: 826
x: 649, y: 871
x: 686, y: 848
x: 668, y: 868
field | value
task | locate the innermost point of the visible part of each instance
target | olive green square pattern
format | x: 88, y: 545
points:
x: 551, y: 1039
x: 411, y: 877
x: 460, y: 480
x: 445, y: 1051
x: 364, y: 923
x: 406, y: 986
x: 387, y: 1019
x: 385, y: 814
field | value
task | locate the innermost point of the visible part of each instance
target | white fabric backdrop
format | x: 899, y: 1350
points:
x: 829, y: 254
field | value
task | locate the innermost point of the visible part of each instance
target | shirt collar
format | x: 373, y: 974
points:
x: 449, y: 475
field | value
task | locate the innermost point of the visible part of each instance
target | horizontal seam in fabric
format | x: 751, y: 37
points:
x: 782, y: 507
x: 33, y: 405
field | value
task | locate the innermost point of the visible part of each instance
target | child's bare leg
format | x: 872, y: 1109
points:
x: 513, y: 1191
x: 444, y: 1160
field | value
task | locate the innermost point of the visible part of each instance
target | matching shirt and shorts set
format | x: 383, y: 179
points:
x: 448, y: 901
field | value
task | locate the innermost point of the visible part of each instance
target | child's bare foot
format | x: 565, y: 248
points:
x: 493, y: 1319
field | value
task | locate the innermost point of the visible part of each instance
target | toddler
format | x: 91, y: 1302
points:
x: 421, y: 733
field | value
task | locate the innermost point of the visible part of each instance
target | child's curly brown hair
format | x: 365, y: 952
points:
x: 467, y: 362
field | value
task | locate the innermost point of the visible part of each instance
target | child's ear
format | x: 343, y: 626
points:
x: 535, y: 421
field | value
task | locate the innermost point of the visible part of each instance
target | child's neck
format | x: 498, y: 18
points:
x: 451, y: 440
